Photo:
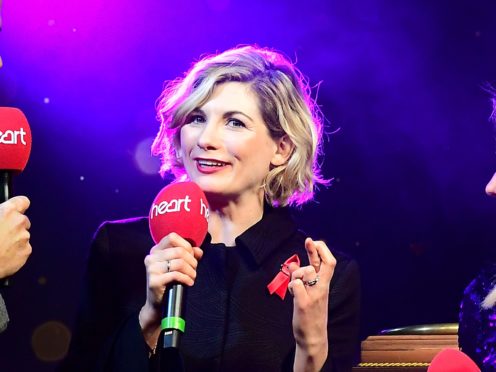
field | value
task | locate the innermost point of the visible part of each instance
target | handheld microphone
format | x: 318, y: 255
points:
x: 181, y: 208
x: 451, y: 360
x: 15, y: 147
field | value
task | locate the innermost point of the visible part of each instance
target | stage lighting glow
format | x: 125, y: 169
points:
x: 219, y: 5
x: 50, y: 341
x: 145, y: 162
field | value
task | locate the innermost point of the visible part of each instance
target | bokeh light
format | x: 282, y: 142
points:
x: 145, y: 162
x: 50, y: 341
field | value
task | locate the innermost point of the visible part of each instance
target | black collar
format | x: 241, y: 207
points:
x: 267, y: 235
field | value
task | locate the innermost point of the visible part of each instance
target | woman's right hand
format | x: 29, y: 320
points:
x: 172, y: 260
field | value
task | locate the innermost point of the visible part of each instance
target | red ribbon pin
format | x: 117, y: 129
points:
x: 279, y: 285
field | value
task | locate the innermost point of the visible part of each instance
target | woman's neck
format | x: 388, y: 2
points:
x: 229, y: 219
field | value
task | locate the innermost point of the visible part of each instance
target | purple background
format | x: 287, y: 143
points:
x: 400, y: 85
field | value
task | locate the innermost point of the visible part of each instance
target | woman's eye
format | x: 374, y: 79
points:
x: 235, y: 123
x: 196, y: 119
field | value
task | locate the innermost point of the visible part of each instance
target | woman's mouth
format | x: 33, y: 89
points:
x: 209, y: 166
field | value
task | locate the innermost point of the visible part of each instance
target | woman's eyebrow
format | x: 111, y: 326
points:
x: 197, y: 111
x: 231, y: 113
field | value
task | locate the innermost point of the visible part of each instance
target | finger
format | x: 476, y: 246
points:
x: 23, y: 237
x: 198, y: 253
x: 170, y: 254
x: 158, y: 269
x: 177, y: 252
x: 175, y: 277
x: 26, y: 223
x: 292, y: 267
x: 20, y: 203
x: 28, y: 249
x: 304, y: 273
x: 297, y: 289
x: 173, y: 240
x: 163, y: 280
x: 24, y: 252
x: 313, y: 254
x: 328, y: 261
x: 178, y: 241
x: 180, y: 266
x: 20, y: 221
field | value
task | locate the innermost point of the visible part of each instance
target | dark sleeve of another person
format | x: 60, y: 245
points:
x: 470, y: 321
x: 102, y: 339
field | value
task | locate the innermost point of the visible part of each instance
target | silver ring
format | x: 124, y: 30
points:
x: 311, y: 283
x: 168, y: 265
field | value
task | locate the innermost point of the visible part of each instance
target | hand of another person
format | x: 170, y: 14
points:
x: 310, y: 288
x: 14, y: 235
x: 172, y: 260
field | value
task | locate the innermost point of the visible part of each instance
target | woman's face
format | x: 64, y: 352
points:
x: 225, y: 145
x: 491, y: 186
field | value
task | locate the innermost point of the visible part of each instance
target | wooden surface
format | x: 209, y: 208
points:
x: 405, y: 348
x: 389, y: 369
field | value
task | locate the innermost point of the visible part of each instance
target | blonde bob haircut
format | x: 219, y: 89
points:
x: 285, y: 104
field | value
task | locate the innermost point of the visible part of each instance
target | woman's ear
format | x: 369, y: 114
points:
x: 284, y: 151
x: 179, y: 153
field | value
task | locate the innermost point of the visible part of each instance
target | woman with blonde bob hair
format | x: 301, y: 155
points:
x: 285, y: 104
x: 241, y: 125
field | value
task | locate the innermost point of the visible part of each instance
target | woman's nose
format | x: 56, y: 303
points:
x: 491, y: 186
x: 209, y: 137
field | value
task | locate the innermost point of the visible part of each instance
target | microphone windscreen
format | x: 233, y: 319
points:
x: 181, y: 208
x: 451, y: 360
x: 15, y: 139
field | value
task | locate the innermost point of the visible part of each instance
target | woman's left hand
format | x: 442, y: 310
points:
x: 310, y: 287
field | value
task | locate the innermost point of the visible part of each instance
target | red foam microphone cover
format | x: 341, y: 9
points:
x: 451, y: 360
x: 181, y: 208
x: 15, y: 139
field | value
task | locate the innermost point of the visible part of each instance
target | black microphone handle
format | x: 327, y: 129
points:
x: 173, y: 324
x: 6, y: 184
x: 5, y: 194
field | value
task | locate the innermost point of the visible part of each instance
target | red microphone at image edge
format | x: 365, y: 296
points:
x: 15, y: 147
x: 181, y: 208
x: 451, y: 360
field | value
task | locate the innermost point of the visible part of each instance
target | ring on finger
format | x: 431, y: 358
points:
x: 168, y: 263
x: 311, y: 283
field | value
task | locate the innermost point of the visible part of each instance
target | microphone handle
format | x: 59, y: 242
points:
x: 6, y: 184
x: 173, y: 324
x: 5, y: 194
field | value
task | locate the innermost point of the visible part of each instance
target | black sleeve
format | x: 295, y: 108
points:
x: 102, y: 338
x: 470, y: 322
x: 344, y: 317
x: 126, y: 351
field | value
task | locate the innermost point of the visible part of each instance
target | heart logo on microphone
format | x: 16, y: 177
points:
x: 182, y: 208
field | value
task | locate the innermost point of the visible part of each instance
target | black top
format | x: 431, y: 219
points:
x: 477, y: 330
x: 232, y: 322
